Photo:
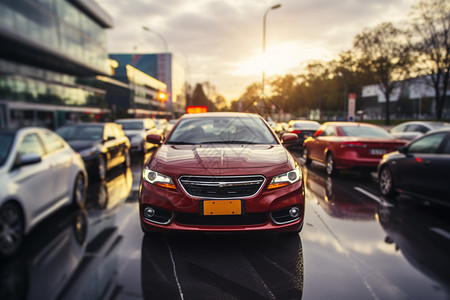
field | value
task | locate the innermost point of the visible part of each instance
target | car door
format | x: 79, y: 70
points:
x: 60, y: 160
x: 322, y: 141
x: 111, y: 147
x: 33, y: 182
x: 425, y: 169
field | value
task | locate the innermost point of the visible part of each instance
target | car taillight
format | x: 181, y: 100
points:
x: 296, y: 131
x: 353, y: 144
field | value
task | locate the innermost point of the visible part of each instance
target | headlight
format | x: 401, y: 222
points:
x: 286, y: 179
x: 89, y: 152
x: 158, y: 179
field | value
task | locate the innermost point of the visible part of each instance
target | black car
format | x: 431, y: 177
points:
x: 421, y: 168
x: 102, y: 146
x: 303, y: 129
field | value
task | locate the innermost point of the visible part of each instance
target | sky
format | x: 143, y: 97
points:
x: 221, y: 41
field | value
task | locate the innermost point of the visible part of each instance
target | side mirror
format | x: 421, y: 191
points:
x: 27, y: 159
x: 403, y: 149
x: 289, y: 139
x: 154, y: 139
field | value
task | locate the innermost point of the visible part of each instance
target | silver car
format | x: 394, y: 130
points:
x: 39, y: 173
x: 413, y: 129
x: 137, y: 130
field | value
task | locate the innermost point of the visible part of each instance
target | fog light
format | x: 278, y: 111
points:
x: 149, y: 212
x: 294, y: 212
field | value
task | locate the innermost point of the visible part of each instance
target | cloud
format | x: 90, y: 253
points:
x: 216, y: 38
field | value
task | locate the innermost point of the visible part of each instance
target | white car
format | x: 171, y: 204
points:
x: 137, y: 130
x: 39, y: 173
x: 413, y: 129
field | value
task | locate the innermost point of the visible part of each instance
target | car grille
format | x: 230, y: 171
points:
x: 222, y: 187
x: 195, y: 219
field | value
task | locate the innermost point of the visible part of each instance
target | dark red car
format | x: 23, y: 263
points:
x: 222, y: 172
x: 345, y: 145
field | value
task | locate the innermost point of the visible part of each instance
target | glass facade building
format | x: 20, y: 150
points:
x: 164, y: 68
x: 50, y: 53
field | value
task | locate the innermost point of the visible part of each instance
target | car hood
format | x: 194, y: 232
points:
x: 79, y: 145
x: 220, y: 156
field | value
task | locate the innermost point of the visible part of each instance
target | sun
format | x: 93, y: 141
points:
x: 278, y: 59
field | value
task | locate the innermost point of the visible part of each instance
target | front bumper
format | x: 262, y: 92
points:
x: 267, y: 211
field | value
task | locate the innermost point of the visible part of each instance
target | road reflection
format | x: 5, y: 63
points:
x: 220, y: 266
x: 336, y: 197
x: 422, y: 234
x: 73, y: 253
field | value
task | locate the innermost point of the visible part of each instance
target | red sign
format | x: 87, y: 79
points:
x: 196, y: 109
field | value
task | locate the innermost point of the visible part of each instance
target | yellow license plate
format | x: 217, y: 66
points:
x: 222, y: 207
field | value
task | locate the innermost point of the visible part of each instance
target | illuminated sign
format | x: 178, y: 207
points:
x: 196, y: 109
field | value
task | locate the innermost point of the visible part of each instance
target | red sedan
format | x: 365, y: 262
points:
x: 342, y: 145
x: 222, y: 172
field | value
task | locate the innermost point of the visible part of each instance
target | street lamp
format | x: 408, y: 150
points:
x: 166, y: 48
x: 264, y: 42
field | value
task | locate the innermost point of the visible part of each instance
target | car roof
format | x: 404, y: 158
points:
x: 349, y: 124
x: 221, y: 115
x: 132, y: 120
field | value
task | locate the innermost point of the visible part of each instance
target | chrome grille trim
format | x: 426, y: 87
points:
x: 215, y: 187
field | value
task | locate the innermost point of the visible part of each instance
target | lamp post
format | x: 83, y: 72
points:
x: 264, y: 43
x: 166, y: 48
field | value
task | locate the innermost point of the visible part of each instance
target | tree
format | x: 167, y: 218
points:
x: 385, y: 52
x: 284, y: 92
x: 221, y: 103
x: 198, y: 96
x: 431, y: 22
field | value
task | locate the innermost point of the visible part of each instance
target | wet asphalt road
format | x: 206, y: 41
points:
x: 354, y: 245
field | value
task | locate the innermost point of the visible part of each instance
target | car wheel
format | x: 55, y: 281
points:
x: 127, y: 161
x: 79, y: 192
x: 11, y: 229
x: 306, y: 157
x: 102, y: 197
x: 331, y: 166
x: 386, y: 183
x: 101, y: 167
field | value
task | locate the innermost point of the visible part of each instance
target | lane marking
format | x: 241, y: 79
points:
x: 441, y: 232
x: 372, y: 196
x: 175, y: 270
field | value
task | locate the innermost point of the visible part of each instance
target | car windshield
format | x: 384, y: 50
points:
x: 6, y: 139
x: 222, y: 130
x: 131, y: 125
x: 365, y: 131
x: 94, y: 132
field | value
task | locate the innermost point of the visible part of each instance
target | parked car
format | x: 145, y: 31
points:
x: 411, y: 130
x: 170, y: 124
x: 39, y: 173
x: 421, y: 168
x: 222, y: 172
x: 137, y: 130
x: 102, y: 146
x: 281, y: 128
x: 349, y: 145
x: 303, y: 129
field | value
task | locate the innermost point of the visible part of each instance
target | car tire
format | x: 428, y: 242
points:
x: 144, y: 147
x: 306, y: 157
x: 331, y: 166
x: 12, y: 231
x: 79, y: 192
x: 101, y: 168
x: 127, y: 161
x: 102, y: 197
x: 386, y: 183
